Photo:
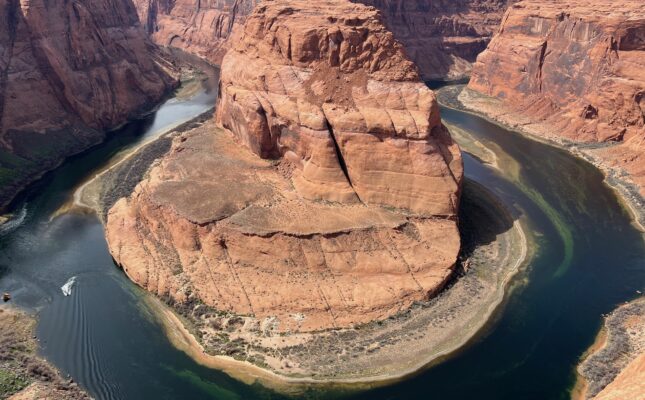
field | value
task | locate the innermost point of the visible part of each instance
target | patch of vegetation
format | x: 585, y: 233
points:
x: 11, y: 382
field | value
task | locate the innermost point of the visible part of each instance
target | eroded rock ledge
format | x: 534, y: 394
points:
x: 572, y: 71
x: 331, y: 200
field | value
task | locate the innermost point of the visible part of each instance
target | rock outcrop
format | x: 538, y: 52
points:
x: 575, y: 70
x: 69, y: 70
x: 442, y: 37
x: 198, y: 27
x: 331, y: 199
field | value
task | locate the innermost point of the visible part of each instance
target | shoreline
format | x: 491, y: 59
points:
x: 472, y: 321
x: 491, y: 278
x: 581, y: 387
x: 620, y: 341
x: 24, y: 374
x: 627, y: 197
x: 184, y: 340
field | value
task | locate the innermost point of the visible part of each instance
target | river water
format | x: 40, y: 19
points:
x: 588, y: 259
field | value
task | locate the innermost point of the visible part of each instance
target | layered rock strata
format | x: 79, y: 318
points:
x: 198, y: 27
x: 69, y: 70
x: 574, y: 71
x: 442, y: 37
x: 331, y: 198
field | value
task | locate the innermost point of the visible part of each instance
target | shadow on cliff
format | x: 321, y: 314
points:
x: 482, y: 217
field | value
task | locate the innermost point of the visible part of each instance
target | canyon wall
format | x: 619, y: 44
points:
x: 196, y: 26
x: 331, y: 198
x: 575, y: 71
x: 69, y: 70
x: 442, y: 37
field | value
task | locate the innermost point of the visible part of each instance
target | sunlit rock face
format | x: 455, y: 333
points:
x: 577, y: 67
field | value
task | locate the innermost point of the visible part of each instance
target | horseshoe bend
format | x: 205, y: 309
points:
x: 324, y: 196
x: 251, y: 199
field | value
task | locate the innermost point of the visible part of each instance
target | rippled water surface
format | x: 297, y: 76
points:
x: 588, y: 260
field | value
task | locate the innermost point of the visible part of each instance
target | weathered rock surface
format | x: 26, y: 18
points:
x: 329, y: 88
x: 196, y: 26
x: 69, y: 70
x: 344, y: 209
x: 576, y: 68
x: 442, y: 37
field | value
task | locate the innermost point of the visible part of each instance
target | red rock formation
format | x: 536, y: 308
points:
x: 68, y: 71
x: 577, y: 68
x: 196, y: 26
x: 442, y: 37
x: 339, y: 99
x: 348, y: 214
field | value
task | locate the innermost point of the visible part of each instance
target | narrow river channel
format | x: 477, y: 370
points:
x: 587, y: 259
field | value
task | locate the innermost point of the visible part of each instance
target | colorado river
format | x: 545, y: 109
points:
x: 588, y: 259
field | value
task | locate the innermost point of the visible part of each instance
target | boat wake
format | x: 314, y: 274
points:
x: 67, y: 287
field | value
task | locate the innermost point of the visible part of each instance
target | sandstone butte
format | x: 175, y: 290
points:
x: 577, y: 68
x: 442, y: 38
x: 69, y: 70
x: 329, y: 200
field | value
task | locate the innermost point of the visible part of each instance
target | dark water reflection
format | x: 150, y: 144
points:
x: 589, y: 259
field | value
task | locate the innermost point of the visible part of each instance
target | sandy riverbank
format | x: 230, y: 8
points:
x: 620, y: 342
x: 493, y: 110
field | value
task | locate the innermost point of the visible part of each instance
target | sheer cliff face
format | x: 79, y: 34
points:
x: 331, y: 199
x: 69, y: 70
x: 196, y: 26
x: 577, y: 67
x: 442, y: 37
